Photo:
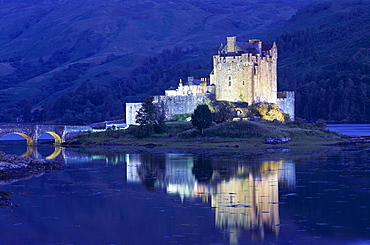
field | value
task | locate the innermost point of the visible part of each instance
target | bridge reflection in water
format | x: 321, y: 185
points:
x: 245, y: 195
x: 32, y: 152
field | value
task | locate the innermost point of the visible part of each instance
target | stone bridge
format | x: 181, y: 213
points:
x: 32, y: 132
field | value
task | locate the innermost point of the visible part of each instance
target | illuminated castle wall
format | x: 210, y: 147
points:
x: 245, y: 72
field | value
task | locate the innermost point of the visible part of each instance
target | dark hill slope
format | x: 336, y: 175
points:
x: 325, y: 56
x: 49, y: 48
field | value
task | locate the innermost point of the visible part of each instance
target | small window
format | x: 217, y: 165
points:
x: 229, y: 83
x: 243, y: 82
x: 255, y: 71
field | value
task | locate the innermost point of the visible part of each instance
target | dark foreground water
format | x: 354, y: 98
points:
x: 315, y: 198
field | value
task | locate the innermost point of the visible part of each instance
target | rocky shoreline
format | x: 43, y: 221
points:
x: 13, y: 168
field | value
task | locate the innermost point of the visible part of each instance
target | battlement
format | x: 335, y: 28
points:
x: 243, y: 58
x: 253, y: 46
x: 285, y: 94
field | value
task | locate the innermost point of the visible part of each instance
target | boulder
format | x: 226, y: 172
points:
x: 275, y: 141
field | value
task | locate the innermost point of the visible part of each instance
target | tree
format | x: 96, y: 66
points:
x: 26, y: 110
x: 147, y: 114
x: 151, y: 120
x: 202, y: 117
x: 222, y: 111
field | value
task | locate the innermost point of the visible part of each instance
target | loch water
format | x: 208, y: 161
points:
x: 350, y: 129
x: 180, y: 198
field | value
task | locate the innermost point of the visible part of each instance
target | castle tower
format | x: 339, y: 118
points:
x: 245, y: 72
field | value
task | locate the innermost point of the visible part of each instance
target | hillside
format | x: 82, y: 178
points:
x: 325, y: 57
x: 80, y: 61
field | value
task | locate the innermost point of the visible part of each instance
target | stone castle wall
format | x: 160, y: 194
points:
x: 179, y: 104
x: 131, y: 112
x: 169, y: 105
x: 245, y: 77
x: 286, y: 102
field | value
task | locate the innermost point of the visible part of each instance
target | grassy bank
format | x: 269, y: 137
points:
x: 237, y: 136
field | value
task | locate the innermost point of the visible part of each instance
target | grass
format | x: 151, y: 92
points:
x: 231, y: 137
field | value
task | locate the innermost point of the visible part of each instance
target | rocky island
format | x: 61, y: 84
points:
x: 13, y: 168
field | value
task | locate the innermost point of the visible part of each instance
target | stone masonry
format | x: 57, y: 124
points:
x: 245, y: 72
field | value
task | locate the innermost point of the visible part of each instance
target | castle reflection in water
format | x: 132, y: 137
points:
x: 245, y: 195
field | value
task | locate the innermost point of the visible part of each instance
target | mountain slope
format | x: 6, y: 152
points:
x: 325, y: 57
x: 49, y: 48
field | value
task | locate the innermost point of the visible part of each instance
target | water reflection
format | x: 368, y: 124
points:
x: 244, y: 195
x: 32, y: 151
x: 245, y: 198
x: 328, y: 205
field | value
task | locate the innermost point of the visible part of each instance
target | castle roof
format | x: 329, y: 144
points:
x: 267, y: 46
x: 247, y: 47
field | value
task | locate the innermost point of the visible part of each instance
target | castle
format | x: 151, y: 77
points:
x: 245, y: 72
x: 242, y: 72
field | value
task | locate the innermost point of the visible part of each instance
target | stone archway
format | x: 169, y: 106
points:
x: 30, y: 141
x: 31, y: 133
x: 57, y: 138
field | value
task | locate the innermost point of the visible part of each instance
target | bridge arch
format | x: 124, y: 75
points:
x: 30, y: 141
x: 31, y: 132
x: 57, y: 138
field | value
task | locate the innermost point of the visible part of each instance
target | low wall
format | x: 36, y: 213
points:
x: 174, y: 105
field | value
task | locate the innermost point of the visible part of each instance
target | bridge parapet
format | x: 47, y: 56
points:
x: 71, y: 132
x: 31, y: 132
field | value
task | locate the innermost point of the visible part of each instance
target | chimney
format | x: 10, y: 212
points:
x: 231, y: 44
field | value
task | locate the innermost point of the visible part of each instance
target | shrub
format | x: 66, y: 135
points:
x: 181, y: 117
x: 269, y: 112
